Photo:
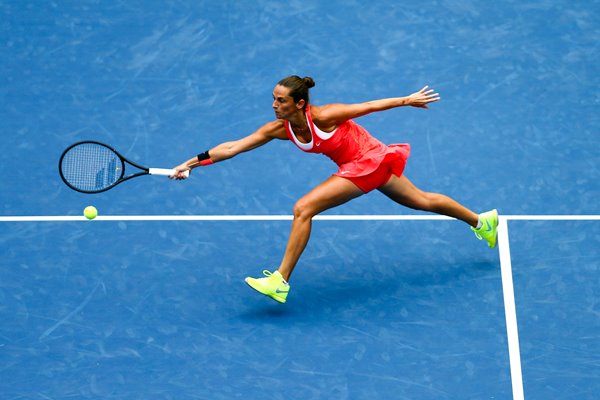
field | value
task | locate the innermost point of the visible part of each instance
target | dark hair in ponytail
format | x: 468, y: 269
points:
x: 298, y: 87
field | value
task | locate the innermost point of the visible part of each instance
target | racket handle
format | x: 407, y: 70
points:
x: 165, y: 172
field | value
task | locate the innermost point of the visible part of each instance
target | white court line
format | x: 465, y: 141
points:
x: 59, y: 218
x: 510, y: 311
x: 552, y: 217
x: 360, y: 217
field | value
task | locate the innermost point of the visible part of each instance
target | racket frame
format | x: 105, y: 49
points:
x: 122, y: 178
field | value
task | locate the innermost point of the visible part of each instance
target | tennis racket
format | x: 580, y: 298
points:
x: 94, y: 167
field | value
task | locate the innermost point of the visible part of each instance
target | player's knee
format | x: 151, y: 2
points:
x: 430, y: 201
x: 303, y: 210
x: 424, y: 202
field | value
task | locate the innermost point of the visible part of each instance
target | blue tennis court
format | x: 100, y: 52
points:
x: 148, y: 301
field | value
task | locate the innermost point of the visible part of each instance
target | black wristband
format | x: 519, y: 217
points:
x: 203, y: 156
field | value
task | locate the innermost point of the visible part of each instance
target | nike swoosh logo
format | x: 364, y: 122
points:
x: 488, y: 226
x: 282, y: 291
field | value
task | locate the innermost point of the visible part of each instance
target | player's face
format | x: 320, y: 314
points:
x: 283, y: 103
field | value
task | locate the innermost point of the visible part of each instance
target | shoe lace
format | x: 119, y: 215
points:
x: 268, y: 274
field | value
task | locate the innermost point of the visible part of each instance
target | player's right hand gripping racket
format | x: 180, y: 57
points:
x: 94, y: 167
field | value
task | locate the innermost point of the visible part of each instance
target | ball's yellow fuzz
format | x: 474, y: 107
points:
x: 90, y: 212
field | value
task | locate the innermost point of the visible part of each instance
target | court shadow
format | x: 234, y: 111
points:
x: 322, y: 297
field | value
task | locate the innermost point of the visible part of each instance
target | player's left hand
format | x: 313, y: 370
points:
x: 423, y: 97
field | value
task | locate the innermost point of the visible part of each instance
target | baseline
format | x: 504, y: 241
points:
x: 357, y: 217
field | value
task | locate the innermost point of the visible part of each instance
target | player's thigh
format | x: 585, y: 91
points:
x: 403, y: 191
x: 333, y: 192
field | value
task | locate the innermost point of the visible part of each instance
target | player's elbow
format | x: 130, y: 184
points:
x: 231, y: 150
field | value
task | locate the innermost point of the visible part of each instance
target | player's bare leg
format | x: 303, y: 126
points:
x: 331, y: 193
x: 402, y: 191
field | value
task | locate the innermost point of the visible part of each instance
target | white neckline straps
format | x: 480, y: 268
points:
x: 320, y: 134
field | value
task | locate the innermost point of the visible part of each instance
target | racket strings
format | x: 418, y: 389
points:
x: 91, y: 167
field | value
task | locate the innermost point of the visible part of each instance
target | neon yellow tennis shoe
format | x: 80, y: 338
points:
x: 272, y: 285
x: 489, y: 227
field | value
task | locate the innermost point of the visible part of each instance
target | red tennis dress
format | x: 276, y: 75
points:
x: 361, y: 158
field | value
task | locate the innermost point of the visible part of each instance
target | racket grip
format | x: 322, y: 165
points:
x: 165, y: 172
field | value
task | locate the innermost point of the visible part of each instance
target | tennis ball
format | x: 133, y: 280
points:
x: 90, y: 212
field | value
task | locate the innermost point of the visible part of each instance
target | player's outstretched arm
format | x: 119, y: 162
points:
x: 338, y: 113
x: 227, y: 150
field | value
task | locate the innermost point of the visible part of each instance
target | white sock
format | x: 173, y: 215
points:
x: 479, y: 224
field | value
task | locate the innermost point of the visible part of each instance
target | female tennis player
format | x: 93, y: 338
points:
x: 364, y: 164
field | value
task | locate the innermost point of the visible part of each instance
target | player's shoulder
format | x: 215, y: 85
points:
x: 274, y: 129
x: 325, y: 116
x: 324, y: 112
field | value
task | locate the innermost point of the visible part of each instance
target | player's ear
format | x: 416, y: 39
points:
x: 300, y: 104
